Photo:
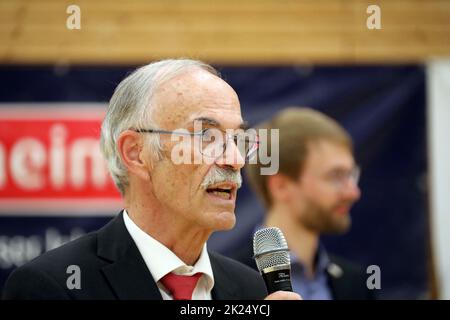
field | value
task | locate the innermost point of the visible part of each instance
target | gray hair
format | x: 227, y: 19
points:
x: 131, y: 107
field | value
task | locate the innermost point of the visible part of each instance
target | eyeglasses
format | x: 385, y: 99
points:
x: 338, y: 178
x: 214, y: 141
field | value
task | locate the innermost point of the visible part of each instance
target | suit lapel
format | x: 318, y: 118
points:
x: 130, y: 279
x: 224, y: 287
x: 127, y: 273
x: 337, y: 281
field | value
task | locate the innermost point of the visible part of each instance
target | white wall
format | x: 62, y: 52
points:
x: 438, y: 109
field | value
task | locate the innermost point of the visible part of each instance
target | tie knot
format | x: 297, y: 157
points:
x: 180, y: 287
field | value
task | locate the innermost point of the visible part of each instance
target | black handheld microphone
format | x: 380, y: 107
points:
x: 271, y: 254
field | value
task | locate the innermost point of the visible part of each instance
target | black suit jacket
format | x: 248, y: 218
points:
x: 346, y: 280
x: 112, y: 268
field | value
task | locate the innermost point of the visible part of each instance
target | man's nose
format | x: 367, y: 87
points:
x: 231, y: 157
x: 351, y: 190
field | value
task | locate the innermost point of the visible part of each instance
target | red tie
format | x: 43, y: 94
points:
x: 180, y: 287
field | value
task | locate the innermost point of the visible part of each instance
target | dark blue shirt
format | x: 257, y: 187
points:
x: 316, y: 288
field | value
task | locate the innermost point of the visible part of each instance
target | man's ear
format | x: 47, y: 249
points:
x: 130, y: 145
x: 279, y: 186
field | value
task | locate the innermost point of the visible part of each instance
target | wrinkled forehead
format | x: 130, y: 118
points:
x: 196, y: 94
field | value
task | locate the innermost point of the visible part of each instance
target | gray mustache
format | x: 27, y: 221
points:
x: 219, y: 175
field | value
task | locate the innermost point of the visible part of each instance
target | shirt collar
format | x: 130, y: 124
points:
x: 160, y: 260
x: 322, y: 260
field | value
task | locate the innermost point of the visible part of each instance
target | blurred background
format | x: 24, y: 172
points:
x: 382, y: 71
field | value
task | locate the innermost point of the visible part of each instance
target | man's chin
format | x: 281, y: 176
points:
x: 342, y: 225
x: 224, y: 220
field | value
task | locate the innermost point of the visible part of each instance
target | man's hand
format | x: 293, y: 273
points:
x: 283, y: 295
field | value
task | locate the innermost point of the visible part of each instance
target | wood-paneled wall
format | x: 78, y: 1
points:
x: 223, y: 31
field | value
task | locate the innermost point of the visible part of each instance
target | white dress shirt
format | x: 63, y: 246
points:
x: 160, y: 261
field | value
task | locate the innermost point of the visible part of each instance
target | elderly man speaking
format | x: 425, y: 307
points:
x: 174, y: 140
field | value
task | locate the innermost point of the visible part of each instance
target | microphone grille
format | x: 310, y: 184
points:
x: 270, y: 248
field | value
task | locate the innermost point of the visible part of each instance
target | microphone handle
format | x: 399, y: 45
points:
x: 277, y: 279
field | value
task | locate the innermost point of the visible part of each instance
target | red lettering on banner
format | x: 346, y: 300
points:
x: 51, y: 157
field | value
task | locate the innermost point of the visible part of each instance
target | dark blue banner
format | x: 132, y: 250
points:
x: 383, y: 108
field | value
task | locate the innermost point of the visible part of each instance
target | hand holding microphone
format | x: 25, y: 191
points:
x: 271, y: 254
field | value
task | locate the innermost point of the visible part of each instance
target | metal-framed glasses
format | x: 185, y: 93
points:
x: 339, y: 178
x: 212, y: 142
